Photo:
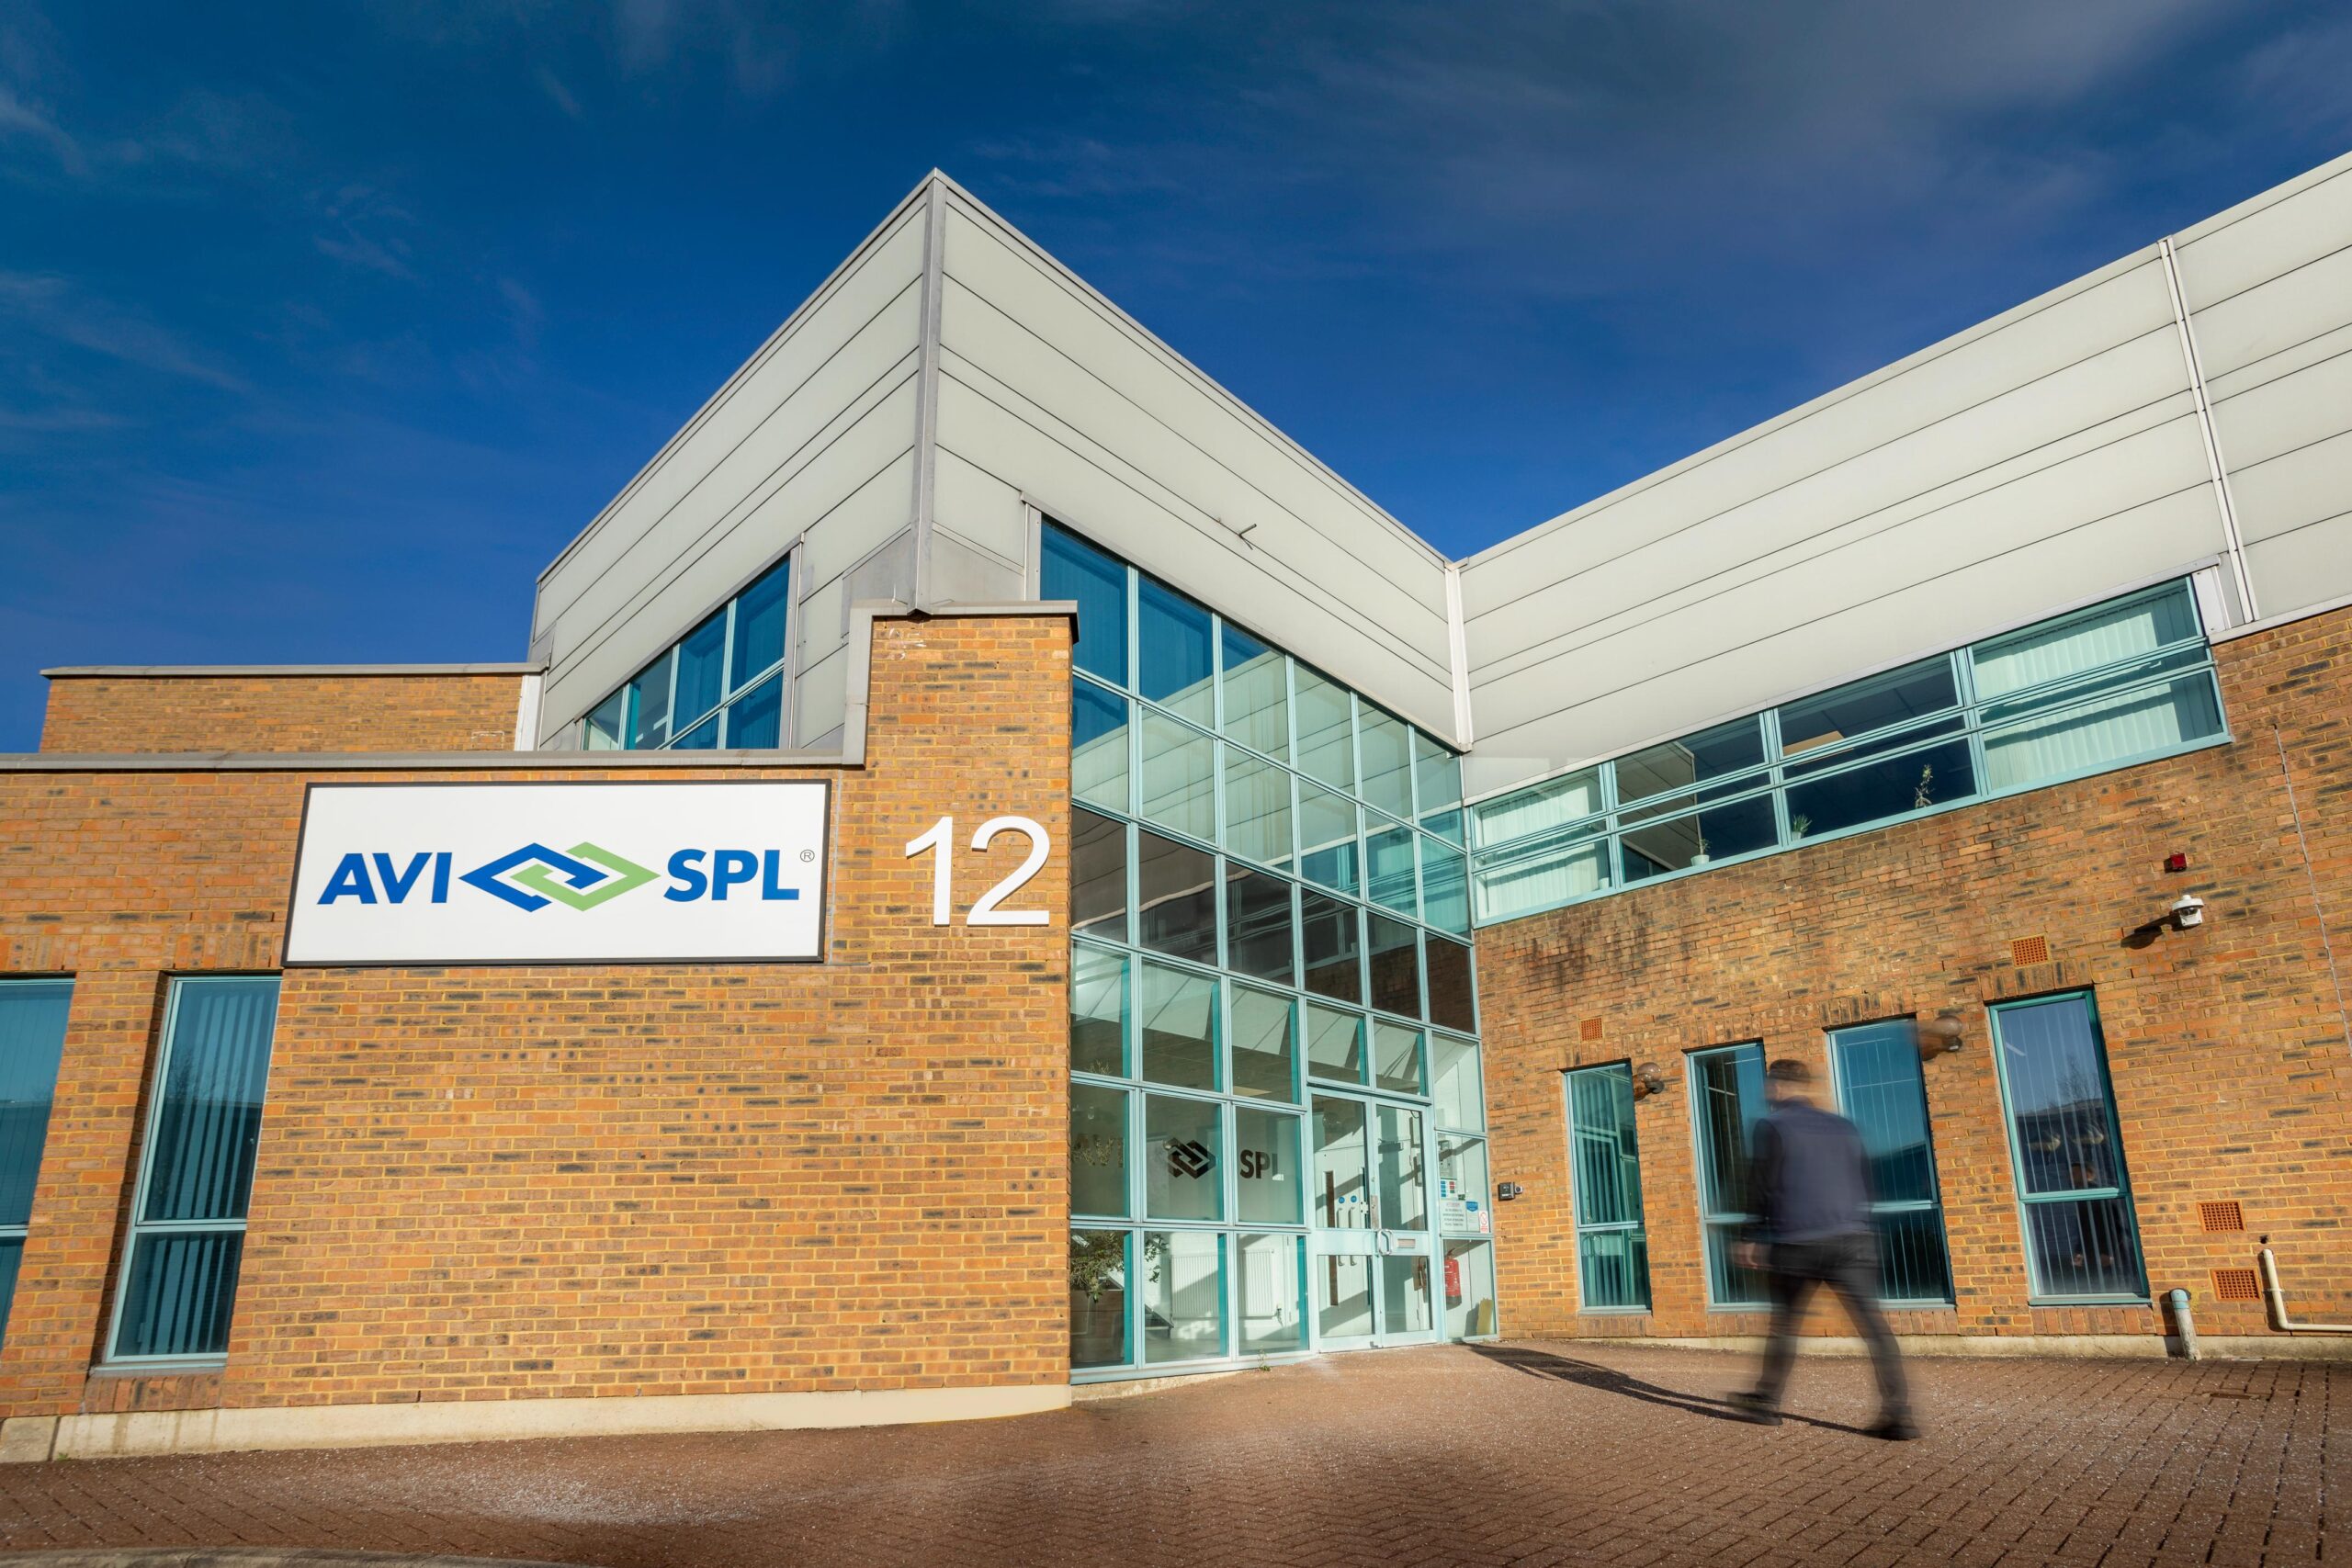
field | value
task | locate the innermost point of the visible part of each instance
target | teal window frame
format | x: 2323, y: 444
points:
x: 37, y: 1051
x: 2120, y: 1192
x: 143, y: 1229
x: 1720, y: 1227
x: 1620, y: 1146
x: 1431, y: 774
x: 1970, y: 720
x: 1886, y: 1214
x: 735, y: 686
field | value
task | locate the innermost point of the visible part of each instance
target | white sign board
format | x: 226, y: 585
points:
x: 560, y: 874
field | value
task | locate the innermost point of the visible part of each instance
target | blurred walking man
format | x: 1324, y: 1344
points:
x: 1811, y: 1181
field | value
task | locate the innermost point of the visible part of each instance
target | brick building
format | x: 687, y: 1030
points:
x: 1066, y: 889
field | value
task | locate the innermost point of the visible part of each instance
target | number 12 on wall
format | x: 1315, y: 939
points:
x: 940, y: 841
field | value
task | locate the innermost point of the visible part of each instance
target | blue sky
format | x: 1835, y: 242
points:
x: 324, y: 326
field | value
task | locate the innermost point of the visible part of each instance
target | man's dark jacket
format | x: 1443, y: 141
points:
x: 1811, y: 1177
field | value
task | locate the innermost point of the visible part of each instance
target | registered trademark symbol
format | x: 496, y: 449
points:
x: 808, y: 854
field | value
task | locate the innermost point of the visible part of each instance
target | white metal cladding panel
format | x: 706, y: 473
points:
x: 2297, y: 407
x: 874, y: 513
x: 1181, y: 470
x: 862, y: 322
x: 2294, y: 491
x: 2007, y: 447
x: 978, y: 508
x: 2274, y: 318
x: 780, y: 475
x: 2308, y: 566
x: 2121, y: 305
x: 1993, y: 562
x: 839, y: 466
x: 2276, y: 233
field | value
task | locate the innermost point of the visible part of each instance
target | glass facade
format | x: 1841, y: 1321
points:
x: 1269, y: 923
x: 720, y: 686
x: 195, y: 1172
x: 33, y: 1040
x: 1882, y: 1088
x: 2118, y: 684
x: 2082, y: 1240
x: 1605, y: 1170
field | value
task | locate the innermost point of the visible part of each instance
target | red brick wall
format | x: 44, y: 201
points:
x: 281, y: 713
x: 2227, y: 1048
x: 509, y: 1182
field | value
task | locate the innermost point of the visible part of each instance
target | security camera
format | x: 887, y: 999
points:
x: 2188, y: 911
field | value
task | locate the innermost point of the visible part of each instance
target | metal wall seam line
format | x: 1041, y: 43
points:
x: 935, y: 248
x: 1457, y: 637
x: 2220, y: 475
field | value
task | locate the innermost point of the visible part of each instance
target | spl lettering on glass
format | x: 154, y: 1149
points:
x: 561, y: 873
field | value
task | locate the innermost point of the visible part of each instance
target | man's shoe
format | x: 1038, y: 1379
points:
x: 1895, y: 1430
x: 1755, y: 1408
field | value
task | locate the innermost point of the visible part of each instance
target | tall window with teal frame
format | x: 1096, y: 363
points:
x: 1884, y: 1093
x: 32, y: 1038
x: 2082, y: 1240
x: 195, y: 1175
x: 1726, y: 1102
x: 1613, y: 1246
x: 721, y: 685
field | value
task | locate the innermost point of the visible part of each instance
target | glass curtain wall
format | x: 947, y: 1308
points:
x: 2118, y: 684
x: 33, y: 1040
x: 1268, y: 889
x: 196, y: 1174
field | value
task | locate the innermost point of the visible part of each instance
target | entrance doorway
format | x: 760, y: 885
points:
x: 1373, y: 1239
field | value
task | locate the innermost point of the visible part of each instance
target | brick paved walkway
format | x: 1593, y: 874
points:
x: 1524, y: 1454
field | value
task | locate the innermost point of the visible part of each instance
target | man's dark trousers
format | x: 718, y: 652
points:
x: 1848, y: 1265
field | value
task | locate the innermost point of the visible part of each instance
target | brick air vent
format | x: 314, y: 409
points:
x: 1589, y: 1029
x: 2030, y: 950
x: 2236, y: 1285
x: 2225, y: 1216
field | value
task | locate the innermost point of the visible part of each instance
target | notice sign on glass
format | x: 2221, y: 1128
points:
x: 561, y: 874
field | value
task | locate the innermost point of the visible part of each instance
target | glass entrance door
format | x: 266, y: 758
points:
x: 1373, y: 1243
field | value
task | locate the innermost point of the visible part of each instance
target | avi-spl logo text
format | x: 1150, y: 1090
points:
x: 535, y: 876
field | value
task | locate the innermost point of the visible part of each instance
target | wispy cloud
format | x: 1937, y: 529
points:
x: 58, y: 311
x: 21, y: 119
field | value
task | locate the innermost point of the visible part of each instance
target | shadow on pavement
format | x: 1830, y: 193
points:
x: 1606, y: 1380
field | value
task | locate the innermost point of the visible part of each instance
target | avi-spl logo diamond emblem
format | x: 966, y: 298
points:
x: 534, y: 876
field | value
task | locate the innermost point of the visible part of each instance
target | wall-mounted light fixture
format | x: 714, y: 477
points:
x: 2187, y: 910
x: 1941, y: 1034
x: 1647, y: 1080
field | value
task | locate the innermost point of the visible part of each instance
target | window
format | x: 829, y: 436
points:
x: 1098, y: 746
x: 1727, y: 1102
x: 1883, y: 1091
x: 1613, y: 1246
x: 1265, y: 1057
x: 1256, y: 694
x: 1176, y: 1027
x: 1098, y: 1010
x: 195, y: 1175
x: 2082, y: 1241
x: 1176, y: 898
x: 2118, y: 684
x: 1098, y: 1150
x: 33, y: 1040
x: 1098, y: 876
x: 1173, y: 652
x: 719, y: 685
x: 1179, y: 778
x: 1073, y: 570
